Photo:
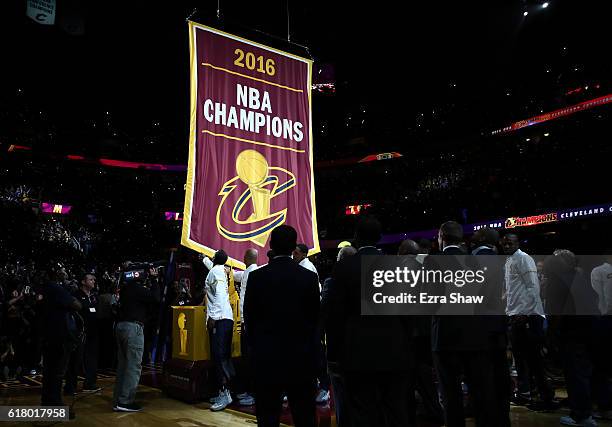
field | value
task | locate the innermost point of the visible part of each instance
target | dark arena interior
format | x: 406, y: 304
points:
x: 153, y: 157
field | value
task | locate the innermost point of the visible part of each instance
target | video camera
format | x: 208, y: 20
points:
x: 138, y: 271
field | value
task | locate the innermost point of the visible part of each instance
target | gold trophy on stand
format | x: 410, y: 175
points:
x: 252, y: 169
x: 183, y: 334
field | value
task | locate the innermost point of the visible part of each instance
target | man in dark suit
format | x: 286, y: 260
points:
x: 460, y: 347
x: 281, y: 314
x: 371, y: 354
x: 485, y: 242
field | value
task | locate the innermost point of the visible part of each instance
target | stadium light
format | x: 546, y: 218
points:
x: 544, y: 5
x: 525, y: 13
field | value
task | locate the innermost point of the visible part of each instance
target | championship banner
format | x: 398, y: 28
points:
x: 250, y: 146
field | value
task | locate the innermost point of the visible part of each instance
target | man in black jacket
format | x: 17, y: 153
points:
x: 281, y: 312
x: 135, y: 300
x: 60, y: 337
x: 485, y: 242
x: 369, y: 353
x: 85, y: 357
x: 460, y: 346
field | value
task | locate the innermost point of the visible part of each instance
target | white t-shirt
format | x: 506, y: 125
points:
x: 310, y: 266
x: 217, y: 294
x: 243, y: 284
x: 522, y: 285
x: 601, y: 281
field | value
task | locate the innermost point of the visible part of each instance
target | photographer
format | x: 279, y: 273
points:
x: 136, y: 297
x: 85, y: 357
x: 62, y: 333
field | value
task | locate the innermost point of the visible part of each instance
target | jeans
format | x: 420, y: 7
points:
x: 221, y: 348
x: 130, y: 346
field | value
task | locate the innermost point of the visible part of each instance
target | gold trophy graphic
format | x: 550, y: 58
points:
x: 252, y: 169
x: 182, y: 334
x: 263, y: 182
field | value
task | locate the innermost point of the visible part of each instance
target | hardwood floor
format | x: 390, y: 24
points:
x: 94, y: 410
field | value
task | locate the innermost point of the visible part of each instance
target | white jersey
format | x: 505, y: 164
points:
x: 310, y: 266
x: 243, y: 285
x: 601, y: 281
x: 217, y: 293
x: 522, y: 286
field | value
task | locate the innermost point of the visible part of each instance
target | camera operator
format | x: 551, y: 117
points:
x: 135, y: 300
x: 61, y: 333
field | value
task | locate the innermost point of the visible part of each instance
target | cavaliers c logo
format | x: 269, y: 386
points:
x: 263, y: 183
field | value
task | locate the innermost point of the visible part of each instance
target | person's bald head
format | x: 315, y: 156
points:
x: 250, y: 257
x: 346, y: 252
x: 408, y: 247
x: 486, y: 236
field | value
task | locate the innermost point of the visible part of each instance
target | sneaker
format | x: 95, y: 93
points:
x: 569, y: 421
x: 215, y: 399
x: 130, y: 407
x: 224, y: 400
x: 322, y: 397
x: 520, y: 399
x: 247, y: 401
x: 602, y: 415
x: 93, y: 389
x: 242, y: 395
x: 33, y: 372
x: 542, y: 406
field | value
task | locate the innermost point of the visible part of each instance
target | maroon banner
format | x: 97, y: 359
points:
x: 250, y: 147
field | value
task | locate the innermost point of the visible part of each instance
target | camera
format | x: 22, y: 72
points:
x: 139, y: 271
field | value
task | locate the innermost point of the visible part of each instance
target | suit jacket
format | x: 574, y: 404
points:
x: 357, y: 343
x: 497, y: 324
x: 458, y: 333
x: 281, y: 313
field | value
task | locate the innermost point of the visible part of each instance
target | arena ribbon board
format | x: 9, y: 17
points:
x: 250, y: 146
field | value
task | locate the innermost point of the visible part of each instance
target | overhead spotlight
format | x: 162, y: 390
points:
x: 525, y: 13
x: 546, y: 134
x: 544, y: 5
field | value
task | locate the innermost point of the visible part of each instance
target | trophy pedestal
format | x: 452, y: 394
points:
x: 188, y: 380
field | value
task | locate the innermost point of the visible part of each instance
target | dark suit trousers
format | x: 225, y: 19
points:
x: 424, y: 381
x: 56, y: 353
x: 301, y: 397
x: 527, y: 339
x: 479, y: 370
x: 377, y: 399
x: 83, y: 361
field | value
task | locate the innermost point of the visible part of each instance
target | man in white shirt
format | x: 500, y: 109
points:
x: 601, y: 281
x: 526, y: 312
x: 250, y: 261
x: 300, y: 254
x: 220, y: 323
